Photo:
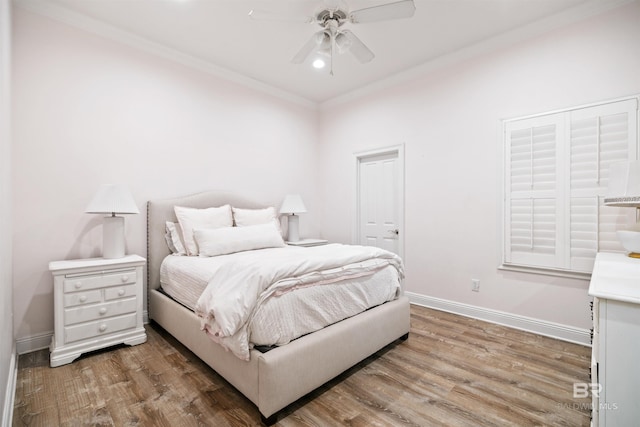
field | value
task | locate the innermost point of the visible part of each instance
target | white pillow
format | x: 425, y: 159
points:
x: 191, y: 219
x: 221, y: 241
x: 172, y: 236
x: 244, y: 217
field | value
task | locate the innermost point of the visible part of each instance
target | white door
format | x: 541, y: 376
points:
x: 379, y: 200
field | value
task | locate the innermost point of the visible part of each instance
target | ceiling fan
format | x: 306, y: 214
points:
x: 332, y: 17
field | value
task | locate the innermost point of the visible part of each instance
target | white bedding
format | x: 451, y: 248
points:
x: 270, y: 308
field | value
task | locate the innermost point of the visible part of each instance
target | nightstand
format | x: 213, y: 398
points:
x: 97, y: 303
x: 308, y: 242
x: 616, y: 340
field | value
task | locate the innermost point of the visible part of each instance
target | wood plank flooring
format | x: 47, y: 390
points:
x: 452, y: 371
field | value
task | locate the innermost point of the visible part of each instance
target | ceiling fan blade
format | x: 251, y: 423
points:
x: 261, y: 15
x: 353, y: 44
x: 314, y: 43
x: 397, y: 10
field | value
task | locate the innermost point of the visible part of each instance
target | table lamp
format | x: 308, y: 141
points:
x: 624, y: 191
x: 113, y: 199
x: 291, y: 206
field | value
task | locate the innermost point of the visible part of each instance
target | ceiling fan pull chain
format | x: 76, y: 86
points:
x: 331, y: 59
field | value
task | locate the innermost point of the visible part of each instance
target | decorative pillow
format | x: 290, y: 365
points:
x: 244, y: 217
x: 172, y: 236
x: 191, y: 219
x: 221, y: 241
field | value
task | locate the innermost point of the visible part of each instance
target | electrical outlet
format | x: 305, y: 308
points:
x: 475, y: 285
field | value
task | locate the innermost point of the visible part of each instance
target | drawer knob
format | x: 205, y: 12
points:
x: 103, y: 327
x: 125, y: 278
x: 83, y: 298
x: 78, y: 285
x: 103, y: 310
x: 121, y: 292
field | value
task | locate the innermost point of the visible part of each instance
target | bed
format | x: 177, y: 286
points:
x: 276, y: 378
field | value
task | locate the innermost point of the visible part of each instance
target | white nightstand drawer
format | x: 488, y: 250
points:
x: 97, y: 311
x: 119, y: 292
x: 79, y: 298
x: 100, y: 327
x: 85, y: 281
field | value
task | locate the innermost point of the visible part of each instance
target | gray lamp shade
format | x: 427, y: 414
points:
x: 624, y: 185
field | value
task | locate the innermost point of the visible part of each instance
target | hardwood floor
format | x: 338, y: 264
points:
x: 452, y: 371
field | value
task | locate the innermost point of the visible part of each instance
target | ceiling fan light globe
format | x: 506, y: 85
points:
x: 343, y: 43
x: 325, y: 42
x: 323, y: 39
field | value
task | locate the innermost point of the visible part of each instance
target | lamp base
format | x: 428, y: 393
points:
x: 292, y: 234
x: 113, y: 237
x: 630, y: 240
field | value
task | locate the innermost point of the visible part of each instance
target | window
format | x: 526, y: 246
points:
x: 556, y: 176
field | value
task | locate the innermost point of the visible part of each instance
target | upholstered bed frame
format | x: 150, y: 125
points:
x: 281, y: 376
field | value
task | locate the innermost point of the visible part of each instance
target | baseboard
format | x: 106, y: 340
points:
x: 10, y: 392
x: 34, y: 343
x: 541, y: 327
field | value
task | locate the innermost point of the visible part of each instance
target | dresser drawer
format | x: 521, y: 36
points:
x: 116, y: 292
x: 79, y: 298
x: 86, y: 313
x: 99, y: 328
x: 94, y: 281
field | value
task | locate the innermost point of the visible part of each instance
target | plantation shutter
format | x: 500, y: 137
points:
x: 599, y: 136
x: 532, y: 191
x: 556, y: 177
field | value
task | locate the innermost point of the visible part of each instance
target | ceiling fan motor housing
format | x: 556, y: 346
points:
x: 325, y: 16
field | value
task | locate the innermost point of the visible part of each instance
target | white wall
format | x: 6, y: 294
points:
x: 449, y: 122
x: 7, y: 346
x: 89, y: 111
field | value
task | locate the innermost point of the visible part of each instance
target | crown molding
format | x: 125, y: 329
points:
x: 94, y: 26
x: 573, y: 15
x: 576, y: 14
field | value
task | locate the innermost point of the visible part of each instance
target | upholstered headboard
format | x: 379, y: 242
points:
x: 160, y: 211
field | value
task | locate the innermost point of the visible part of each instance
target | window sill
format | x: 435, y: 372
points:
x: 545, y: 271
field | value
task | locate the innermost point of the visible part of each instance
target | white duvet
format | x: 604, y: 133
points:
x: 238, y: 287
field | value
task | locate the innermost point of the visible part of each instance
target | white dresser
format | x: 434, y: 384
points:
x: 615, y: 362
x: 97, y: 303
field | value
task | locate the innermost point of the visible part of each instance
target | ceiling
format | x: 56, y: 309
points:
x: 219, y: 35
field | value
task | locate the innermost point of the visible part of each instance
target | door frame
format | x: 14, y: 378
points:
x: 361, y: 156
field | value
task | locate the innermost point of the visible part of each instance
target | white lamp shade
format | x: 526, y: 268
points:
x: 292, y: 204
x: 624, y: 184
x: 112, y: 199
